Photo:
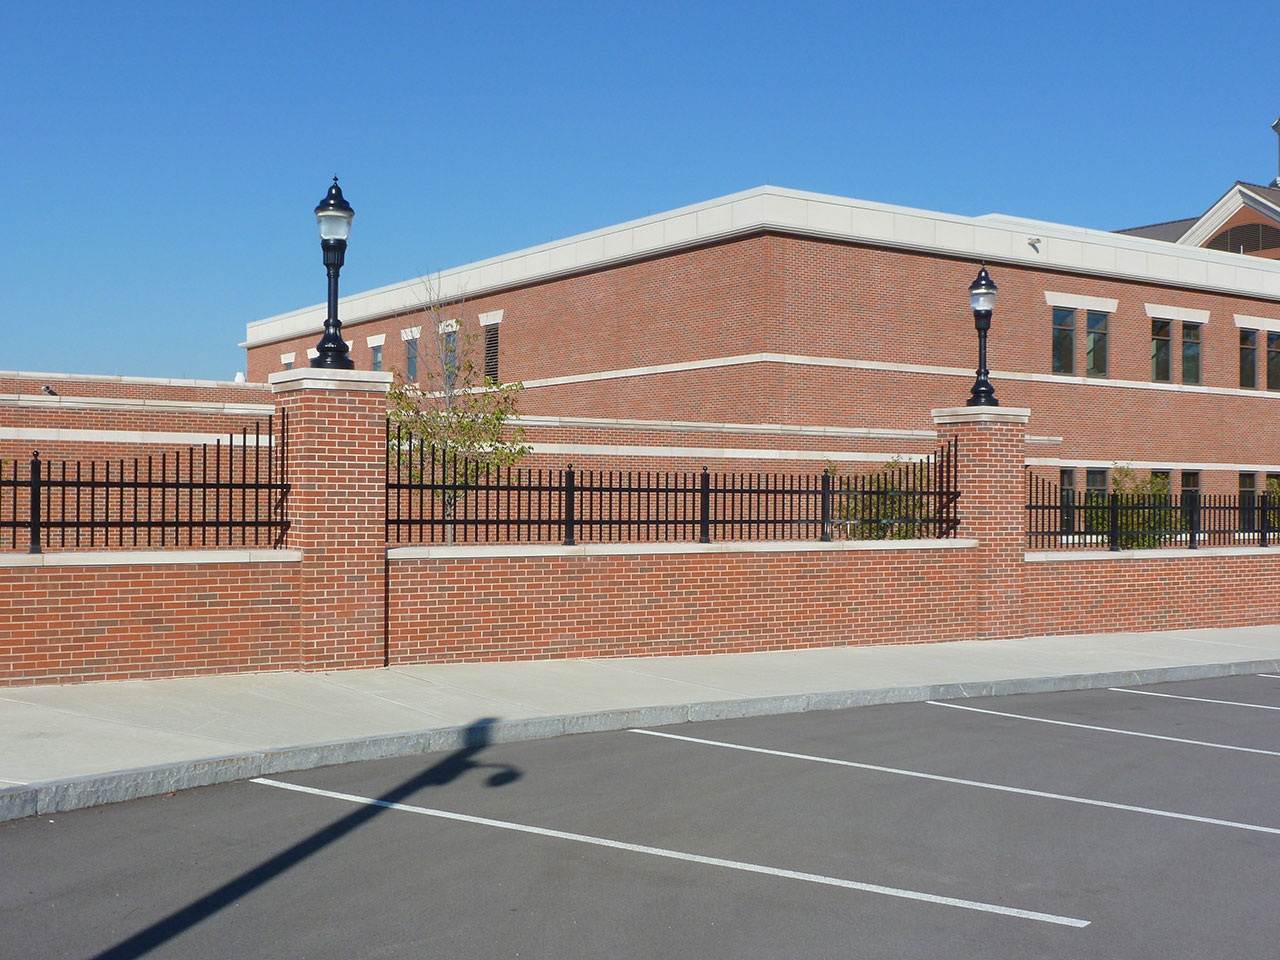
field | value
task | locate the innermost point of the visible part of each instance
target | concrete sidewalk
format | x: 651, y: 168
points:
x: 66, y: 747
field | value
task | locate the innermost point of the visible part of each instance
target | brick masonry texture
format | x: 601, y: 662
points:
x: 63, y: 624
x: 556, y: 607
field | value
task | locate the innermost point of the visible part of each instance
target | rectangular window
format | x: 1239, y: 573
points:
x: 1190, y: 492
x: 1161, y: 481
x: 1191, y: 353
x: 449, y: 358
x: 288, y: 364
x: 1095, y: 344
x: 1160, y: 336
x: 1248, y: 501
x: 1273, y: 361
x: 1064, y: 340
x: 1067, y: 500
x: 1095, y: 500
x: 411, y: 360
x: 1249, y: 359
x: 491, y: 352
x: 1095, y: 481
x: 376, y: 363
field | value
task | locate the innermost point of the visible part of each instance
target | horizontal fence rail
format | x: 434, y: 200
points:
x: 210, y: 496
x: 1064, y: 519
x: 435, y: 497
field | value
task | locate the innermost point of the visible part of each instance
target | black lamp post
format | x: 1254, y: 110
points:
x: 982, y: 297
x: 334, y: 218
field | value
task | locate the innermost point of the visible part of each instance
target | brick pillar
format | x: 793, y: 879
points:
x: 992, y: 466
x: 337, y: 471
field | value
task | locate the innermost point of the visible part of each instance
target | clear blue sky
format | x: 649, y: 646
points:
x: 161, y: 160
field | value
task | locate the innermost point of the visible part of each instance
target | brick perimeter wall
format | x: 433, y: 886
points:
x: 1148, y: 593
x: 61, y: 624
x: 502, y: 608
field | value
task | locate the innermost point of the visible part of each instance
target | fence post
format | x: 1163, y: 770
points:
x: 568, y: 507
x: 1194, y: 516
x: 1113, y: 522
x: 704, y: 508
x: 35, y: 503
x: 826, y: 506
x: 1264, y: 526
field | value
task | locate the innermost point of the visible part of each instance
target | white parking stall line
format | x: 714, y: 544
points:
x: 687, y: 857
x: 1174, y: 696
x: 982, y: 785
x: 1269, y: 676
x: 1089, y: 726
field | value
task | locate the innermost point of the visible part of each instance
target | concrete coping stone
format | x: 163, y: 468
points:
x: 441, y: 552
x: 323, y: 378
x: 981, y: 415
x: 1165, y: 553
x: 158, y: 558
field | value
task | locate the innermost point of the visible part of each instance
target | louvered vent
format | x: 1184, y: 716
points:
x: 1246, y: 238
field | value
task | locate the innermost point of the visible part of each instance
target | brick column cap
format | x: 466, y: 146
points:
x: 943, y: 415
x: 323, y: 378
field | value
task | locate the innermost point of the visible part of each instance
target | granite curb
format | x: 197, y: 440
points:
x: 56, y: 796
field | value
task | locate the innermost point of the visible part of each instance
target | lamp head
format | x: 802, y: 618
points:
x: 333, y: 215
x: 982, y: 293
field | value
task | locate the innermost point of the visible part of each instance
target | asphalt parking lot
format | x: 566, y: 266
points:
x: 1111, y: 823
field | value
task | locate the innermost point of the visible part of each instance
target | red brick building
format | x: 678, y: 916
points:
x: 780, y: 327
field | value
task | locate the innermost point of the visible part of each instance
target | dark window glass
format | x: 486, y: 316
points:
x: 1162, y: 480
x: 1095, y: 481
x: 1095, y: 344
x: 491, y: 352
x: 1064, y: 340
x: 1160, y: 350
x: 376, y: 362
x: 1067, y: 500
x: 289, y: 365
x: 1190, y: 492
x: 411, y: 360
x: 450, y: 360
x: 1273, y: 361
x: 1191, y: 353
x: 1249, y: 359
x: 1248, y: 500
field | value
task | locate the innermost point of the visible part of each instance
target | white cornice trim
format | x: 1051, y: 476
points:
x: 111, y: 378
x: 492, y: 317
x: 667, y: 549
x: 1158, y: 311
x: 1271, y: 324
x: 411, y: 333
x: 288, y: 357
x: 41, y: 401
x: 1152, y: 465
x: 1075, y: 301
x: 377, y: 340
x: 694, y: 426
x: 996, y: 239
x: 920, y: 368
x: 717, y: 453
x: 59, y: 434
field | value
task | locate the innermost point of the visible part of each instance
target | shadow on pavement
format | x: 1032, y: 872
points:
x: 447, y: 770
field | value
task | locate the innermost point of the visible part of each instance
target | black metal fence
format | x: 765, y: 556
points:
x: 1060, y: 519
x: 435, y: 498
x: 225, y: 495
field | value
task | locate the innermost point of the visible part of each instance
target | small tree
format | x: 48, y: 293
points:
x: 452, y: 416
x: 1151, y: 519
